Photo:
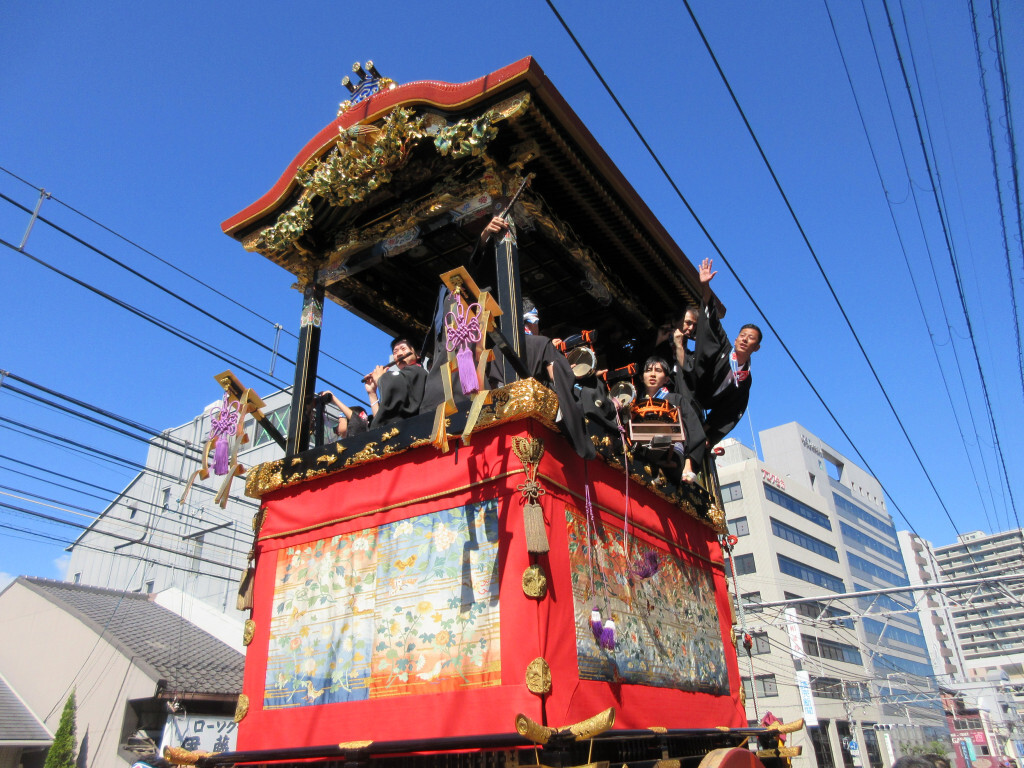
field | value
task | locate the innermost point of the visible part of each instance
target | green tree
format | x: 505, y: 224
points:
x: 62, y: 753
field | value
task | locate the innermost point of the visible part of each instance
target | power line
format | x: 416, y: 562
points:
x: 817, y: 262
x: 952, y: 258
x: 917, y: 293
x: 707, y: 234
x: 176, y: 268
x: 40, y: 434
x: 126, y: 539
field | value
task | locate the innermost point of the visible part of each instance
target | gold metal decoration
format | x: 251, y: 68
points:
x: 717, y: 515
x: 581, y: 731
x: 369, y: 452
x: 529, y: 450
x: 535, y: 582
x: 179, y: 756
x: 355, y: 744
x: 257, y: 520
x: 242, y: 708
x: 657, y: 728
x: 248, y: 631
x: 389, y: 434
x: 668, y: 764
x: 365, y: 158
x: 328, y: 458
x: 791, y: 727
x: 538, y: 676
x: 780, y: 751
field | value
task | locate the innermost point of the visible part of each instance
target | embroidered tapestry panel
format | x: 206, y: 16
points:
x: 407, y: 607
x: 667, y: 632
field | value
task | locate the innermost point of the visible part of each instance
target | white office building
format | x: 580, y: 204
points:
x: 810, y: 523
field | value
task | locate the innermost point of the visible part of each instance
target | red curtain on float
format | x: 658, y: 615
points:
x: 389, y: 602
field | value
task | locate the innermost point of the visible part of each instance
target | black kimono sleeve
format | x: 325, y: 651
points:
x: 400, y: 394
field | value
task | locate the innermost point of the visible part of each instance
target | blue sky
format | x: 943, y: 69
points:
x: 160, y: 120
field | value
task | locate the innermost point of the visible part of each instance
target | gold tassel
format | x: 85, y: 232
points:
x: 245, y: 601
x: 536, y: 531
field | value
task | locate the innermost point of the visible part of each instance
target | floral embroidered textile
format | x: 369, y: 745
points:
x: 408, y: 607
x: 667, y: 631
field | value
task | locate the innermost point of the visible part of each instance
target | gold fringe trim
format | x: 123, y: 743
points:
x: 397, y: 505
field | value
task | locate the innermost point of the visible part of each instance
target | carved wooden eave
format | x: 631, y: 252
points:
x: 396, y: 189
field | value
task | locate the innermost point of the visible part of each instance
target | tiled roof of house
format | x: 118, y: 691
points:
x: 19, y: 725
x: 188, y: 659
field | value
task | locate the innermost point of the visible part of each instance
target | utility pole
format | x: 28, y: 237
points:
x: 853, y: 745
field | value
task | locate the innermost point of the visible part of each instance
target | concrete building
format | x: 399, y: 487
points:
x: 975, y: 635
x: 988, y: 620
x: 935, y: 611
x: 810, y: 523
x: 143, y: 676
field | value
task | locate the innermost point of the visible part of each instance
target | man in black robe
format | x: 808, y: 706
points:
x: 396, y: 393
x: 721, y: 377
x: 542, y: 360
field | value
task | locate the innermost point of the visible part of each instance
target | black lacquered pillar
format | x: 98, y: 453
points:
x: 510, y: 299
x: 304, y: 388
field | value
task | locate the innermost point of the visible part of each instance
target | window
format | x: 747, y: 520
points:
x: 279, y: 418
x: 739, y: 527
x: 801, y: 539
x: 746, y: 598
x: 897, y: 579
x: 822, y: 745
x: 760, y: 645
x: 798, y: 507
x: 815, y: 610
x: 166, y: 503
x: 852, y: 534
x: 732, y: 492
x: 875, y: 630
x: 828, y: 649
x: 149, y: 587
x: 881, y: 601
x: 791, y: 567
x: 744, y: 564
x: 888, y: 661
x: 78, y: 578
x: 845, y: 505
x: 827, y: 688
x: 764, y: 687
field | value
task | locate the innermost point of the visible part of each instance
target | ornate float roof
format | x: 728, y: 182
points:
x: 396, y: 189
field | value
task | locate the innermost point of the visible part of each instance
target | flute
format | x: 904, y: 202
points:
x: 398, y: 359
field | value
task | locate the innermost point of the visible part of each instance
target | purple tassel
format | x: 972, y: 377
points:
x: 220, y: 456
x: 595, y: 624
x: 608, y: 635
x: 648, y: 565
x: 467, y: 371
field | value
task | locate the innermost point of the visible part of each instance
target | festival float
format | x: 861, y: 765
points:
x: 475, y: 585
